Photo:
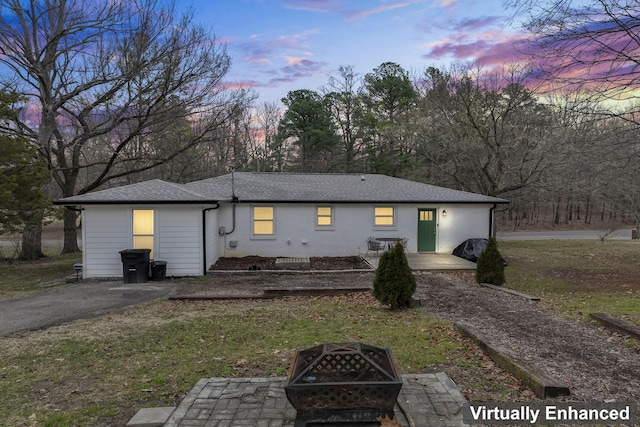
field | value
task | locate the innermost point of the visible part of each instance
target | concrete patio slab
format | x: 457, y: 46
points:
x: 430, y: 262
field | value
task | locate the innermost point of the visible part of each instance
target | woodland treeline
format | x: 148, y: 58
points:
x: 100, y: 94
x: 559, y: 159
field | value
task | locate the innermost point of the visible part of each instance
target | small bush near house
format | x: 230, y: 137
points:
x: 394, y: 283
x: 489, y: 267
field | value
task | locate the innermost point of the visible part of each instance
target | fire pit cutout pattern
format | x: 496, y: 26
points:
x: 343, y: 382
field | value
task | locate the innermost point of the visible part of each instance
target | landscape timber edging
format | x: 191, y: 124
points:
x: 617, y: 325
x: 541, y: 385
x: 510, y: 291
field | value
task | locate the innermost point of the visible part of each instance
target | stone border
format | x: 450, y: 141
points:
x: 617, y: 325
x: 272, y: 293
x: 510, y: 291
x: 542, y: 385
x: 312, y: 291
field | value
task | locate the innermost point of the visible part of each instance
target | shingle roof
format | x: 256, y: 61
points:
x: 282, y: 187
x: 154, y: 191
x: 359, y: 188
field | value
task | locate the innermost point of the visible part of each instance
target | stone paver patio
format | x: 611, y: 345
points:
x: 425, y: 399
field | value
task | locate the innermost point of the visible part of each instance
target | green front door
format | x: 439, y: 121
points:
x: 426, y: 230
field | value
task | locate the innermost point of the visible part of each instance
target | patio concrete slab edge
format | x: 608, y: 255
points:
x: 617, y: 325
x: 151, y: 417
x: 542, y: 385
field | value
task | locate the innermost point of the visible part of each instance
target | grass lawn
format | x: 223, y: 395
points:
x: 578, y: 277
x: 100, y: 371
x: 17, y: 278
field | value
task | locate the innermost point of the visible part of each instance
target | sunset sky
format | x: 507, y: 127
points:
x: 282, y: 45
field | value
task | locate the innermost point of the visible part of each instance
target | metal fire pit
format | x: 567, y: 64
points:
x: 343, y: 383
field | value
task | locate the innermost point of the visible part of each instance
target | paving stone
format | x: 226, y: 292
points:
x: 429, y: 400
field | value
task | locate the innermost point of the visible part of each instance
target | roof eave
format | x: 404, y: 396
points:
x: 134, y: 202
x: 466, y: 202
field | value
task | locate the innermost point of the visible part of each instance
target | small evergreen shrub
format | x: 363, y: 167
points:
x: 489, y: 267
x: 394, y: 283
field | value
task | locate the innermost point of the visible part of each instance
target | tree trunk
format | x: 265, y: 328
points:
x: 70, y: 232
x: 32, y: 240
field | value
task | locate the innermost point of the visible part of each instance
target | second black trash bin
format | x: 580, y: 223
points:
x: 158, y: 270
x: 135, y: 265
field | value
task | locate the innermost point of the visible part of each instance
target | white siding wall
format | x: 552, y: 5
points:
x: 178, y: 237
x: 107, y: 230
x: 462, y: 222
x: 297, y: 235
x: 212, y: 237
x: 178, y: 233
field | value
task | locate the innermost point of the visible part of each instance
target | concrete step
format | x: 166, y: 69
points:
x: 151, y: 417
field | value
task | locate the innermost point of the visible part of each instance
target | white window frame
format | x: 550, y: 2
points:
x: 253, y: 222
x: 153, y: 234
x: 331, y: 216
x: 393, y: 216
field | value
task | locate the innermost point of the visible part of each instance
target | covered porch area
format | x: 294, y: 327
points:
x: 430, y: 262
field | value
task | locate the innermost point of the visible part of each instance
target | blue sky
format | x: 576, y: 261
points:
x: 282, y: 45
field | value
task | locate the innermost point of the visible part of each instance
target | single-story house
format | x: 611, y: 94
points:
x: 272, y: 214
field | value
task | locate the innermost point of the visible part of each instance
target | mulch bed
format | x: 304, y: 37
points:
x: 249, y: 263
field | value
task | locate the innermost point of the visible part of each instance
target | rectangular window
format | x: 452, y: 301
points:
x: 263, y: 221
x: 143, y: 229
x: 384, y: 216
x: 426, y: 215
x: 324, y: 216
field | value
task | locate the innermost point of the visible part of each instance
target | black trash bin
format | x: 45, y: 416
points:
x: 135, y: 265
x: 158, y: 270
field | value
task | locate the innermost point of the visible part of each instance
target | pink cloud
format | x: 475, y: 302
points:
x: 261, y: 51
x: 341, y: 8
x: 303, y: 68
x: 361, y: 14
x: 297, y: 68
x: 479, y: 23
x: 293, y: 60
x: 466, y: 26
x: 488, y: 48
x: 607, y: 60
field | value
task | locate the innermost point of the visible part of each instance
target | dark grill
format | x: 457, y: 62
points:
x: 343, y: 383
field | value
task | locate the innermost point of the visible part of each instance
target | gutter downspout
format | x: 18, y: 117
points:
x: 204, y: 235
x: 234, y: 202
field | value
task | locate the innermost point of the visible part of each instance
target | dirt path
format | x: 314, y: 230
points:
x: 596, y: 366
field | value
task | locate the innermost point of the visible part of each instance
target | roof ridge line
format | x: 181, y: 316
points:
x: 184, y: 188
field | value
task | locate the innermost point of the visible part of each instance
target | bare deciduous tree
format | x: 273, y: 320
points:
x: 269, y: 152
x: 485, y: 132
x: 347, y: 110
x: 593, y: 44
x: 110, y: 71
